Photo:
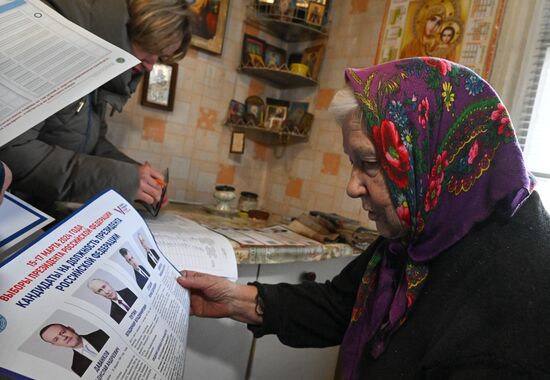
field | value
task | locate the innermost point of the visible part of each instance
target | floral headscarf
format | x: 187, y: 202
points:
x: 450, y: 157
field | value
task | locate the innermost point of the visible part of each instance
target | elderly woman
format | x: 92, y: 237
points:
x: 457, y: 285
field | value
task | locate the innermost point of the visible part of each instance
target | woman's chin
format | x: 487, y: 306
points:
x: 390, y: 232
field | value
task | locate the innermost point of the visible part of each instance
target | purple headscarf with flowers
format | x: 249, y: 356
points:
x: 450, y: 157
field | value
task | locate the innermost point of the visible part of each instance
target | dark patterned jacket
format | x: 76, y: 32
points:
x: 483, y: 313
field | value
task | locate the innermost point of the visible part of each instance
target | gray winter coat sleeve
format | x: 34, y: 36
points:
x: 50, y: 172
x: 105, y: 148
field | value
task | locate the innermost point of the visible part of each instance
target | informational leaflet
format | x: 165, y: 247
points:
x: 23, y: 218
x: 93, y: 298
x: 46, y: 63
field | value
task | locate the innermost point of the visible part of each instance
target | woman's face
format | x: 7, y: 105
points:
x: 148, y: 60
x: 432, y: 25
x: 447, y: 35
x: 367, y: 180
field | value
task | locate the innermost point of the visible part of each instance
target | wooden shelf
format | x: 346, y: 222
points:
x: 268, y: 137
x: 291, y: 28
x: 280, y: 78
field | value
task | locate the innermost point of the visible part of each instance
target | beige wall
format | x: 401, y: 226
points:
x: 193, y: 142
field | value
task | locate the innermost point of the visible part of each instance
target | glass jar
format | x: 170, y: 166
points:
x: 248, y: 201
x: 224, y: 195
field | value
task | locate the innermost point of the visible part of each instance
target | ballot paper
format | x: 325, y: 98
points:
x: 53, y: 325
x: 191, y: 246
x: 19, y: 220
x: 46, y: 63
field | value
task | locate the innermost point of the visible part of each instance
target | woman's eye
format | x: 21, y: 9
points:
x: 371, y: 167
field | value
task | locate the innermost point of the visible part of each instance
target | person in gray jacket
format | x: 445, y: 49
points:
x: 67, y: 157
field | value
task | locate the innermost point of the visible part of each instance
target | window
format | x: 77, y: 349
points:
x: 533, y: 126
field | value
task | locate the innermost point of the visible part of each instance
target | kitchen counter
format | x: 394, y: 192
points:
x: 256, y: 255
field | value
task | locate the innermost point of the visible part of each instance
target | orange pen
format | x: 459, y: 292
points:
x: 160, y: 182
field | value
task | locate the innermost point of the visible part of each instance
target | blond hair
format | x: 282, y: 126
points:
x: 155, y: 25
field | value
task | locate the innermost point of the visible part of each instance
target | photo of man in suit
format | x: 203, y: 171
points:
x: 121, y: 300
x: 152, y: 255
x: 85, y: 348
x: 142, y: 276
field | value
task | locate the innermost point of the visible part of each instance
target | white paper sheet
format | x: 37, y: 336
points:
x: 47, y: 283
x: 18, y: 219
x: 46, y: 63
x: 190, y: 246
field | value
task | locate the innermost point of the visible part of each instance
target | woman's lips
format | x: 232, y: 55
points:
x: 371, y: 214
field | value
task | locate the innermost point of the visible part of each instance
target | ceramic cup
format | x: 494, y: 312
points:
x: 299, y: 68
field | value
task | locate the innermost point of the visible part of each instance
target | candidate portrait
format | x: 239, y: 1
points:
x: 140, y: 273
x: 85, y: 347
x: 152, y: 255
x: 121, y: 300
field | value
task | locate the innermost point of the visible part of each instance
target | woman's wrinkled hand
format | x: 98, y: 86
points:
x: 217, y: 297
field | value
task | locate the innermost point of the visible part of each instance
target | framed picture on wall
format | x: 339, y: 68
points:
x: 237, y: 143
x: 274, y: 57
x: 254, y: 110
x: 253, y: 51
x: 274, y: 116
x: 315, y: 13
x: 305, y: 123
x: 296, y: 111
x: 286, y: 9
x: 208, y: 24
x: 159, y: 87
x: 312, y: 58
x: 464, y: 31
x: 236, y: 112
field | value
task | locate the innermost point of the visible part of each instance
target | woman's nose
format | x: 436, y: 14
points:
x: 148, y: 64
x: 355, y: 188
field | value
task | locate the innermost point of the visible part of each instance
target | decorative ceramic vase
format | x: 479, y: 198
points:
x: 224, y: 195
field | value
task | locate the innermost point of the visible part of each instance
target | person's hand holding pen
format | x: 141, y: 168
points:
x: 151, y: 183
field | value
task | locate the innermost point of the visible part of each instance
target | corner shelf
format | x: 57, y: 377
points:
x: 266, y: 136
x: 288, y: 28
x: 278, y: 77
